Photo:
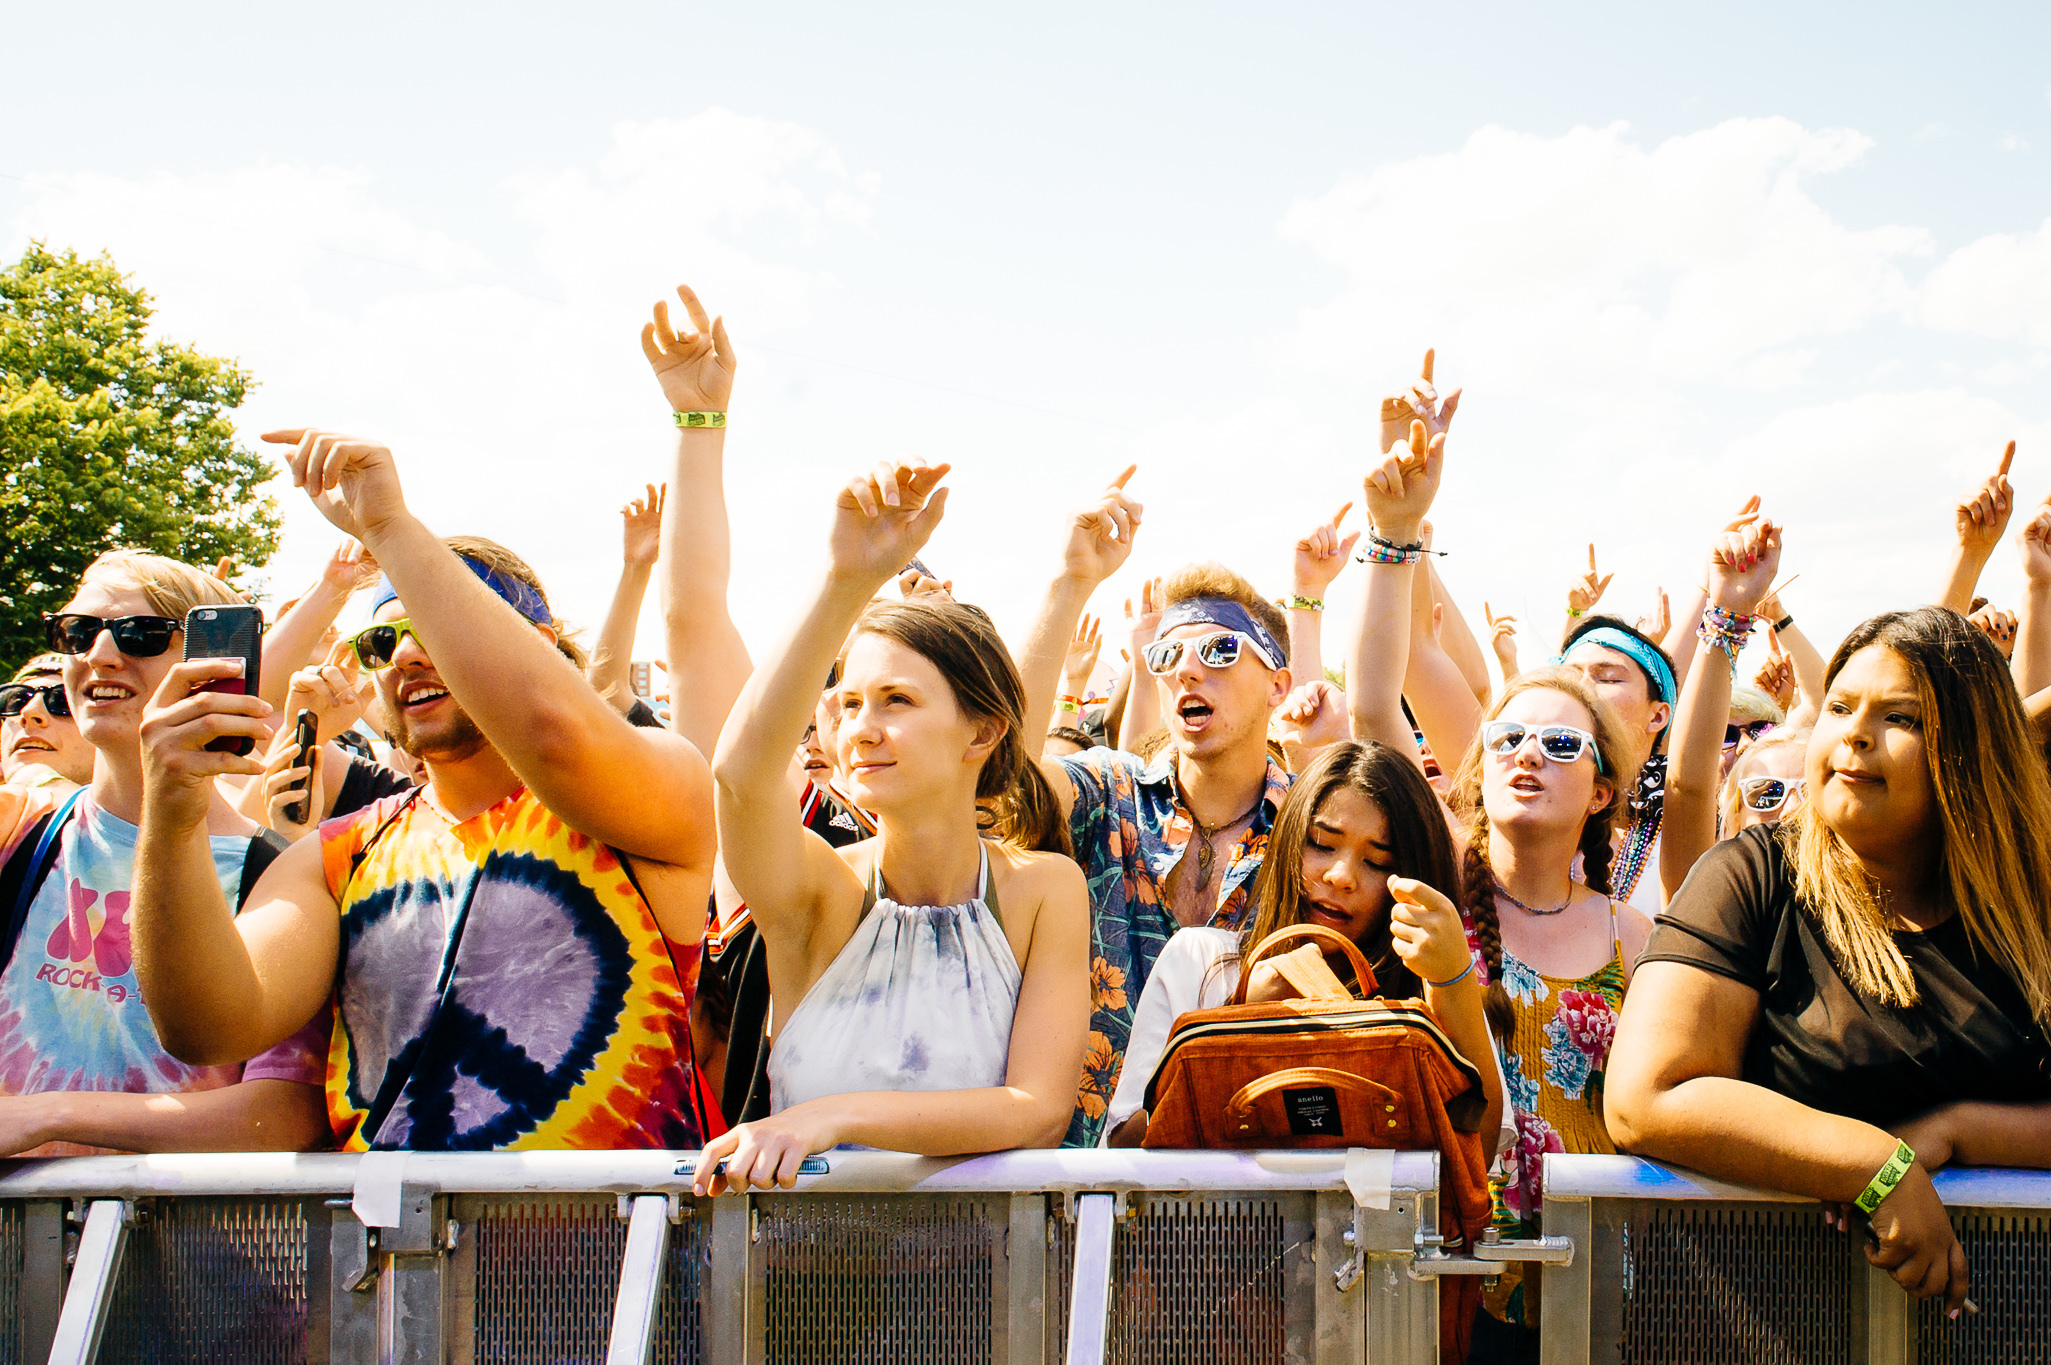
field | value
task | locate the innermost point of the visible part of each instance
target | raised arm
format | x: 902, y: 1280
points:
x: 2031, y: 663
x: 646, y: 792
x: 1320, y: 557
x: 708, y: 662
x: 1583, y: 594
x: 1740, y: 570
x: 1502, y: 638
x: 1979, y: 522
x: 292, y: 638
x: 1077, y: 669
x: 1141, y: 715
x: 784, y: 872
x: 612, y: 665
x: 1440, y: 696
x: 1398, y: 494
x: 1456, y: 637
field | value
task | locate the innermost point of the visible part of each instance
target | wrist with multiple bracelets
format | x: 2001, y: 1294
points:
x: 1380, y: 551
x: 1726, y: 630
x: 1886, y: 1178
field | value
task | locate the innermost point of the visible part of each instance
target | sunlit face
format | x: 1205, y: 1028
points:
x: 1618, y: 680
x: 1212, y: 711
x: 1868, y: 768
x: 1525, y: 789
x: 1346, y: 864
x: 108, y: 689
x: 37, y: 737
x: 1787, y: 761
x: 422, y: 716
x: 903, y: 741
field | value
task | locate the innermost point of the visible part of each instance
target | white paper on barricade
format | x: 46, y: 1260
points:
x: 1369, y: 1173
x: 378, y: 1178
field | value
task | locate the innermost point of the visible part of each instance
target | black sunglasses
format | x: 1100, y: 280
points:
x: 15, y: 698
x: 139, y: 637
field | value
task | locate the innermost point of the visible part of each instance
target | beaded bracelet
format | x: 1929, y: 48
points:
x: 1300, y: 603
x: 1886, y: 1178
x: 1379, y: 551
x: 1725, y: 630
x: 701, y: 419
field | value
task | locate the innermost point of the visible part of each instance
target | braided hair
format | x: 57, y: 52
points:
x: 1478, y: 880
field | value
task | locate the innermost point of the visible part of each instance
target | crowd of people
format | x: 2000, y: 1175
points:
x: 903, y: 884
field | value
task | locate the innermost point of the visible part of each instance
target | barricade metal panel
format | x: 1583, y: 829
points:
x: 547, y: 1269
x: 916, y: 1279
x: 1226, y: 1274
x: 220, y: 1281
x: 2009, y: 1255
x: 11, y: 1240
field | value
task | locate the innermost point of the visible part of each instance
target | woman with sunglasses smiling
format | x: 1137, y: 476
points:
x: 39, y: 741
x: 1840, y: 1004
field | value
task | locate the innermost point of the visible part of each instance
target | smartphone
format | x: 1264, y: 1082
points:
x: 811, y: 1165
x: 230, y: 632
x: 307, y: 731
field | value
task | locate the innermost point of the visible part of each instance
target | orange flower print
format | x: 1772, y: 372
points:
x: 1107, y: 986
x: 1099, y: 1076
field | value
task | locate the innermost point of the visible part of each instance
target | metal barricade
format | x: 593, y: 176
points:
x: 1677, y: 1267
x: 1020, y: 1258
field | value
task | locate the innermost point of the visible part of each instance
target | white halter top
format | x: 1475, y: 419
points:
x: 921, y: 997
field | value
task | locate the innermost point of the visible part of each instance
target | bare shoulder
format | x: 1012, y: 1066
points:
x: 1022, y: 874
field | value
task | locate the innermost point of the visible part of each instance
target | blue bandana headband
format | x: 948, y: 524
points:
x: 1221, y: 611
x: 512, y: 591
x: 1648, y: 659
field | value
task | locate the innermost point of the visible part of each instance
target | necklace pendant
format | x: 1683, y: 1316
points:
x: 1206, y: 857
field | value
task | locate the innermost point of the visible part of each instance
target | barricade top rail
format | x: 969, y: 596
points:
x: 1032, y: 1171
x: 1631, y: 1177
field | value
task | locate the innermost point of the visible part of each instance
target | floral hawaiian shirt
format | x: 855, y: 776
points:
x: 1130, y: 827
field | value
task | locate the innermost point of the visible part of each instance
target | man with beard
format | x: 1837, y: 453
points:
x: 511, y: 948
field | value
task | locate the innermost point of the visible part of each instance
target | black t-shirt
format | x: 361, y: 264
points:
x: 1970, y: 1037
x: 363, y: 783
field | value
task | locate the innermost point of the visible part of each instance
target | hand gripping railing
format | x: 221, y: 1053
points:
x: 397, y: 1248
x: 1676, y: 1265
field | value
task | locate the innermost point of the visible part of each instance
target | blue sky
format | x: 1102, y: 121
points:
x: 1675, y: 257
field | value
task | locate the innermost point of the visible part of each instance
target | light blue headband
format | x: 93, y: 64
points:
x: 1649, y: 660
x: 1222, y: 611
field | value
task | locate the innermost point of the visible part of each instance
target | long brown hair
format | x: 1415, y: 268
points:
x: 1478, y: 878
x: 1994, y: 810
x: 1420, y: 847
x: 1018, y: 805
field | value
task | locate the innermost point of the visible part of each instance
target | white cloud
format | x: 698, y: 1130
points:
x: 1998, y: 286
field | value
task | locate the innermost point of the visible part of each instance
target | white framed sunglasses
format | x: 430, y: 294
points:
x: 1770, y: 793
x: 1219, y: 649
x: 1560, y: 743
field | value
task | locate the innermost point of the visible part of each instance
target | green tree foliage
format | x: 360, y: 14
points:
x: 109, y: 439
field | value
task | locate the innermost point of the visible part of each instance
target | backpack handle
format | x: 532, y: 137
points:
x: 1362, y: 973
x: 1239, y: 1109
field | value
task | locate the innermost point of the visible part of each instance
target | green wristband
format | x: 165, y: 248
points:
x: 1300, y: 603
x: 701, y: 419
x: 1886, y: 1178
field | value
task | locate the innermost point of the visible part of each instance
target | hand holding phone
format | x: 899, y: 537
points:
x: 306, y: 733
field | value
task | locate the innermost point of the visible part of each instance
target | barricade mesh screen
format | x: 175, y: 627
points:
x: 548, y: 1270
x: 1183, y: 1270
x: 893, y: 1281
x: 1747, y: 1285
x: 221, y: 1281
x: 2009, y: 1257
x: 11, y: 1238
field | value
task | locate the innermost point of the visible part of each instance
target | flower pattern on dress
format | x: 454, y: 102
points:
x: 1566, y: 1066
x: 1524, y: 1165
x: 1129, y: 831
x: 1519, y: 1090
x: 1524, y: 985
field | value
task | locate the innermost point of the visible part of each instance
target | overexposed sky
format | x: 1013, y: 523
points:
x: 1799, y: 251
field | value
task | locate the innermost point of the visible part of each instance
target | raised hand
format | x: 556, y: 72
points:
x: 883, y: 518
x: 1082, y: 654
x: 348, y: 568
x: 1742, y: 567
x: 1426, y: 931
x: 1321, y: 554
x: 1140, y: 625
x: 1100, y: 535
x: 335, y: 691
x: 1588, y: 589
x: 283, y: 771
x: 1312, y: 717
x: 912, y: 584
x: 2000, y: 627
x: 1420, y: 404
x: 177, y: 725
x: 354, y: 483
x: 1776, y: 677
x: 695, y: 368
x: 1400, y: 491
x: 1982, y: 517
x: 1661, y: 620
x: 1502, y: 638
x: 642, y: 530
x: 2034, y: 545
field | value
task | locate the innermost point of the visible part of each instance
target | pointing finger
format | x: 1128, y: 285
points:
x: 2007, y: 456
x: 1130, y: 470
x: 1429, y: 356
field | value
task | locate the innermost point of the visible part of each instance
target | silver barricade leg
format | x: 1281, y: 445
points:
x: 411, y: 1284
x: 42, y: 1275
x: 1025, y: 1325
x: 1566, y: 1312
x: 641, y: 1267
x: 1889, y: 1315
x: 1341, y: 1306
x: 1089, y: 1301
x: 92, y: 1282
x: 732, y: 1303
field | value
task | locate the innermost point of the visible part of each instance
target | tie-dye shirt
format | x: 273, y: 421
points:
x: 503, y: 985
x: 71, y: 1017
x: 1130, y: 828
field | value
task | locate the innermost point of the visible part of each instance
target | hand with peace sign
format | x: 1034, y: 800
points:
x: 1421, y: 404
x: 695, y: 368
x: 1321, y: 554
x: 1588, y: 589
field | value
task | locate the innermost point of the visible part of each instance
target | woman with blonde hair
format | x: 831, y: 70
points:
x: 1839, y: 1004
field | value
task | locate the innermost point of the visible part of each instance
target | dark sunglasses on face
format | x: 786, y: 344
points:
x: 1770, y: 793
x: 832, y: 676
x: 139, y: 637
x: 1560, y: 743
x: 1219, y: 650
x: 1733, y: 735
x: 15, y: 698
